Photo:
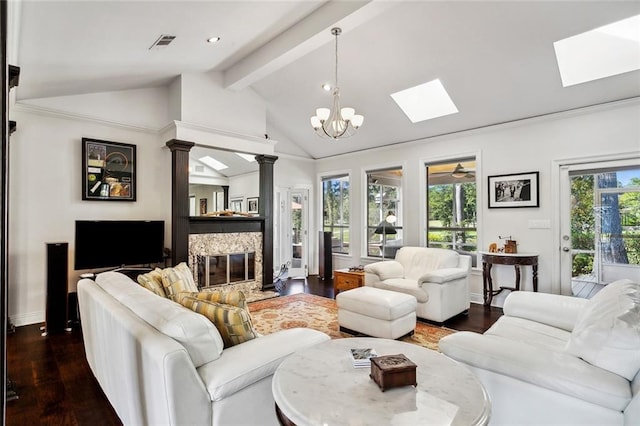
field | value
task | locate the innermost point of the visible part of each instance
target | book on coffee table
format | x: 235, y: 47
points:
x: 361, y: 357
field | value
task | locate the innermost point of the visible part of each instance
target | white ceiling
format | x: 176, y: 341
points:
x: 496, y: 59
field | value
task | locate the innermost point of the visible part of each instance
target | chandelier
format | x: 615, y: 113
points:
x: 337, y: 122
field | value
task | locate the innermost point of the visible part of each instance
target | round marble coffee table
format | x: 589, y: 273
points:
x: 320, y: 386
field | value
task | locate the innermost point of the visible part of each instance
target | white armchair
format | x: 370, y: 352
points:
x: 437, y: 278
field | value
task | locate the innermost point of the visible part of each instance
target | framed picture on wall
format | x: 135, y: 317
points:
x: 514, y: 190
x: 203, y: 206
x: 236, y: 205
x: 108, y: 170
x: 252, y: 205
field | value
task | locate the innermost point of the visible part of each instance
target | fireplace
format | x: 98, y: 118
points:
x: 233, y: 259
x: 225, y: 269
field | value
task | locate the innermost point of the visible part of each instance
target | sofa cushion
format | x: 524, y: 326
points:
x: 418, y: 260
x: 196, y: 333
x: 607, y: 331
x: 403, y: 285
x: 153, y: 281
x: 178, y: 279
x: 244, y: 365
x: 558, y: 371
x: 233, y: 323
x: 531, y: 332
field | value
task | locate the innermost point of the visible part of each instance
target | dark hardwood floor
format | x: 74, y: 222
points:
x: 56, y: 387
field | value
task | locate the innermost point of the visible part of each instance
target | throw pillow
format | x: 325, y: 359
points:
x: 233, y: 323
x: 225, y: 297
x: 153, y: 281
x: 607, y: 331
x: 178, y: 279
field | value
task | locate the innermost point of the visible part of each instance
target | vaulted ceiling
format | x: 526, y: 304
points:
x: 495, y: 59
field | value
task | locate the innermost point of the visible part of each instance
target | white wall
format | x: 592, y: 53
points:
x: 45, y: 197
x: 206, y: 102
x: 245, y: 186
x: 530, y: 145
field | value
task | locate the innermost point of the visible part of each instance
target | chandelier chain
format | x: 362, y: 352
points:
x: 336, y: 79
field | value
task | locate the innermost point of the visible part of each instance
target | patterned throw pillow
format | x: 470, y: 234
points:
x: 178, y: 279
x: 225, y: 297
x: 233, y: 323
x: 153, y: 281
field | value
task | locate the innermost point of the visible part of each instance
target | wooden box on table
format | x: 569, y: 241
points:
x: 390, y: 371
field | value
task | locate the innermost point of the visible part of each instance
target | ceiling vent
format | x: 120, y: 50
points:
x: 163, y: 41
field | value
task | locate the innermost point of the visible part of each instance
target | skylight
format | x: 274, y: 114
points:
x: 248, y: 157
x: 213, y: 163
x: 603, y: 52
x: 425, y: 101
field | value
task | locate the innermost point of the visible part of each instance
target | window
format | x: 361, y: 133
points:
x: 335, y: 211
x: 451, y: 206
x: 384, y: 212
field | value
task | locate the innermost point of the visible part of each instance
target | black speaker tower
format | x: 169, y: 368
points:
x: 57, y: 282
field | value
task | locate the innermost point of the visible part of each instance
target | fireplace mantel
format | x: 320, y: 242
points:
x: 225, y: 224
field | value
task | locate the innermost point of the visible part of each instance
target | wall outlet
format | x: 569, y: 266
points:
x: 539, y: 224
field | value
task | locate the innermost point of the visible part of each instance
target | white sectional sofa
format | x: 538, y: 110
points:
x: 159, y: 363
x: 559, y: 360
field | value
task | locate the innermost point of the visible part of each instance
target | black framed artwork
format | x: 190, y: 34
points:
x: 514, y: 190
x: 252, y: 205
x: 108, y: 170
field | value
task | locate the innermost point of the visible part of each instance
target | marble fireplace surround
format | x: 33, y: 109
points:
x: 227, y: 243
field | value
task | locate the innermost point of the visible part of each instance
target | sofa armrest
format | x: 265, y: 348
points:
x: 385, y: 269
x: 442, y: 276
x: 247, y: 363
x: 551, y: 309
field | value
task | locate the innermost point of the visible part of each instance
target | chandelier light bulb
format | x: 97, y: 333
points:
x: 336, y: 122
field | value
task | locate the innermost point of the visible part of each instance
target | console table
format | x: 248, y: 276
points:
x: 515, y: 259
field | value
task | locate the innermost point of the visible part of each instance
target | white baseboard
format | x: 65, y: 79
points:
x: 28, y: 319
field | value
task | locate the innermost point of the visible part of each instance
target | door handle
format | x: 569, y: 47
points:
x: 566, y: 249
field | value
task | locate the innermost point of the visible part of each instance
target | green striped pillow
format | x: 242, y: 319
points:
x: 153, y: 281
x: 178, y: 279
x: 225, y: 297
x: 233, y: 323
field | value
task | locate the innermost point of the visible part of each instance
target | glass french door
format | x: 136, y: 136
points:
x: 600, y: 239
x: 299, y: 200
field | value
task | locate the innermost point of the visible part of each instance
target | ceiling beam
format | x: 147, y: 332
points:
x: 305, y: 36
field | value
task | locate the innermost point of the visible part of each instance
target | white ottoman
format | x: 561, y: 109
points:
x: 376, y: 312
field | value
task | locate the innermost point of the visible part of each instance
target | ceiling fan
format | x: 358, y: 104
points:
x: 461, y: 172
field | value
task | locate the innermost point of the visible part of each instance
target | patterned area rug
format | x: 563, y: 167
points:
x: 321, y: 313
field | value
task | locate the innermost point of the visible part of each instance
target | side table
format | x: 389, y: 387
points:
x: 515, y: 259
x: 343, y: 279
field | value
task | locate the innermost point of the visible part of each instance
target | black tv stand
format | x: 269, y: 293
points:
x: 133, y: 272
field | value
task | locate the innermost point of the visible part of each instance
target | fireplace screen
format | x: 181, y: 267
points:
x: 222, y: 269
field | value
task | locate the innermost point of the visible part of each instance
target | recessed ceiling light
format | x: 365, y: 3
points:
x: 603, y: 52
x: 425, y: 101
x: 213, y: 39
x: 326, y: 87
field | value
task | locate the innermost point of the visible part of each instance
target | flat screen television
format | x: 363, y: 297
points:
x: 118, y: 243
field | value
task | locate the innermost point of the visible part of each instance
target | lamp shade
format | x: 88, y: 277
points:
x: 357, y: 120
x: 385, y: 228
x: 323, y: 113
x: 315, y: 122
